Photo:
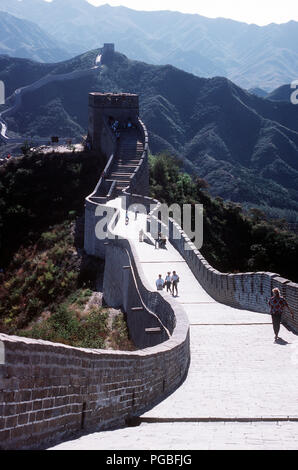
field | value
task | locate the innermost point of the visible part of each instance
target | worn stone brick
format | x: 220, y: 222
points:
x: 23, y: 419
x: 11, y: 421
x: 5, y: 436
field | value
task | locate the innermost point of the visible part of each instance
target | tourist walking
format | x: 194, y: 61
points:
x: 277, y: 303
x: 157, y: 240
x: 160, y: 283
x: 168, y: 282
x: 175, y: 280
x: 162, y: 241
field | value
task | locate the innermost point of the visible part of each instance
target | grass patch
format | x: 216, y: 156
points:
x: 45, y: 291
x: 69, y: 326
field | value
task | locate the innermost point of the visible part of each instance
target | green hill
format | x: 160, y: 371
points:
x: 243, y: 145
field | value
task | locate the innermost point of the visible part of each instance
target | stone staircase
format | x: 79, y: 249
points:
x: 127, y: 158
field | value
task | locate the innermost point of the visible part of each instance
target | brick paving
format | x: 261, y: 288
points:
x: 192, y: 436
x: 237, y: 372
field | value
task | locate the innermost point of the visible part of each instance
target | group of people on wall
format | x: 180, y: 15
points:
x: 276, y: 303
x: 170, y: 283
x: 116, y: 126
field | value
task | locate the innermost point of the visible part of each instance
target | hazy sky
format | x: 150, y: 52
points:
x: 251, y: 11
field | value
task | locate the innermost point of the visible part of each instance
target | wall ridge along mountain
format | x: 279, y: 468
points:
x: 16, y: 97
x: 51, y: 390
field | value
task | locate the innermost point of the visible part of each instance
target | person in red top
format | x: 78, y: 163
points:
x: 277, y: 304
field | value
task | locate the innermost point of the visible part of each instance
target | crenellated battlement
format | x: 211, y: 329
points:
x: 114, y: 100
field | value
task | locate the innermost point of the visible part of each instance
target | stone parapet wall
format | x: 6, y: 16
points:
x: 249, y: 291
x: 127, y: 287
x: 50, y: 391
x: 139, y: 183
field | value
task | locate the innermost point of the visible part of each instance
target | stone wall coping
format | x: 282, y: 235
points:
x: 281, y: 280
x: 109, y: 354
x: 293, y: 285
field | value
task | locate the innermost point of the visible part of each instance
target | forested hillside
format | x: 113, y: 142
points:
x: 243, y: 145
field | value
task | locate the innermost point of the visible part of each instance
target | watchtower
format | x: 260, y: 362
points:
x: 105, y: 108
x: 107, y: 54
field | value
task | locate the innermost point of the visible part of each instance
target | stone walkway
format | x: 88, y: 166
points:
x: 191, y: 436
x: 238, y: 375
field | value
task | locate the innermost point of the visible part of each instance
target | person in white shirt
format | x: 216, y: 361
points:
x: 168, y: 282
x: 160, y: 283
x: 175, y: 280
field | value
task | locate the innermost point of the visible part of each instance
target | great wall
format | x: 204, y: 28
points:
x: 49, y: 392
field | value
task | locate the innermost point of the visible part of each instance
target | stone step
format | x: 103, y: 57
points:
x: 130, y: 147
x: 120, y: 169
x: 118, y: 177
x: 124, y: 168
x: 126, y: 164
x: 115, y: 172
x: 128, y: 156
x: 130, y: 151
x: 128, y: 161
x: 119, y: 181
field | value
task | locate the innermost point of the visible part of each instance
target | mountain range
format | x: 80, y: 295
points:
x: 22, y: 38
x: 251, y: 56
x: 243, y: 145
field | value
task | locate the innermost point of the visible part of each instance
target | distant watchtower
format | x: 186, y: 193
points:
x: 105, y: 107
x: 107, y: 54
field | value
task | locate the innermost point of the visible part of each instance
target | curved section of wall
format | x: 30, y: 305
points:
x: 151, y: 316
x: 49, y: 391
